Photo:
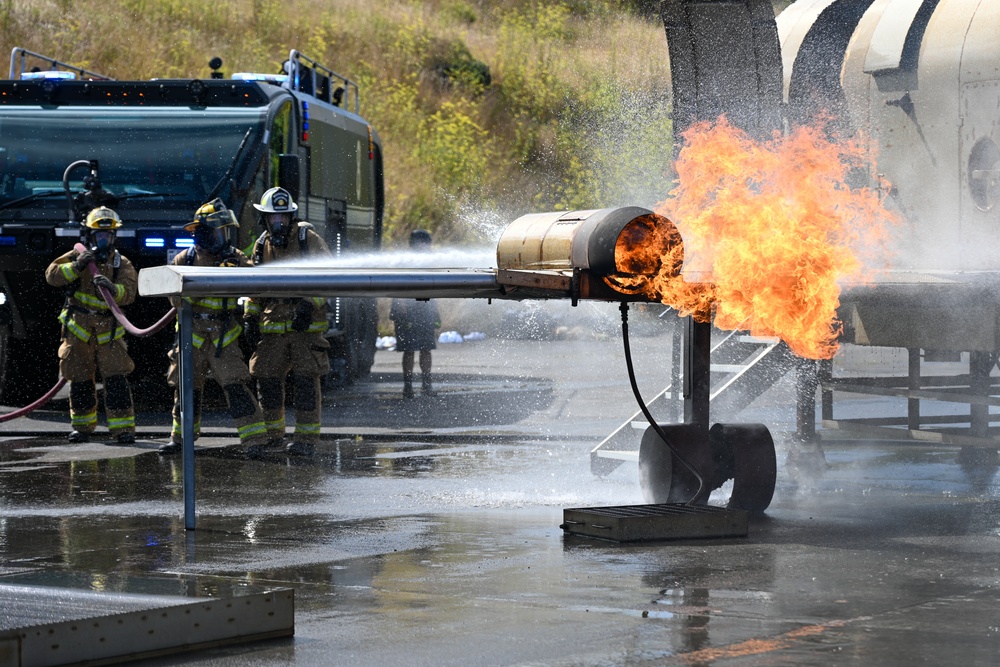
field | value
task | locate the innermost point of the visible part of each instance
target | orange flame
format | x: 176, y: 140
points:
x: 769, y: 228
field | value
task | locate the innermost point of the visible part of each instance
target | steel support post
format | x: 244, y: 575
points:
x: 826, y: 395
x: 806, y: 381
x: 677, y: 370
x: 697, y: 372
x: 186, y: 390
x: 913, y: 383
x: 980, y: 365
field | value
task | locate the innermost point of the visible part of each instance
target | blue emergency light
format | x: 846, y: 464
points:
x: 277, y: 79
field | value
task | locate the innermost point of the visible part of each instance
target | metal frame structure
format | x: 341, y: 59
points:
x: 975, y: 389
x: 564, y: 255
x: 188, y: 281
x: 20, y: 55
x: 318, y: 80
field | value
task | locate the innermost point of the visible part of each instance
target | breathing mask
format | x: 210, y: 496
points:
x: 279, y: 226
x: 102, y: 243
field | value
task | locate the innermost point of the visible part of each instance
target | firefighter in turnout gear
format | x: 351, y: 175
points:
x: 216, y: 328
x: 92, y: 339
x: 291, y: 331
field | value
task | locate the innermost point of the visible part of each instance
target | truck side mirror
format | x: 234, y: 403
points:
x: 289, y: 173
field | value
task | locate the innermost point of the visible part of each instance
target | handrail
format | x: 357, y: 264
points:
x: 296, y: 71
x: 18, y: 52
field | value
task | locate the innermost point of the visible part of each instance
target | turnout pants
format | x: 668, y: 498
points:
x: 230, y: 371
x: 80, y: 362
x: 306, y: 357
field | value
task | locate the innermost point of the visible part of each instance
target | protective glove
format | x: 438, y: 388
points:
x: 251, y: 329
x: 303, y: 316
x: 101, y: 280
x: 83, y: 260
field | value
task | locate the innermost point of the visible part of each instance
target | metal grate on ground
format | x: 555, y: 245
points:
x: 634, y: 523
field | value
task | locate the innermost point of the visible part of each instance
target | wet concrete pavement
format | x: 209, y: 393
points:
x: 426, y: 532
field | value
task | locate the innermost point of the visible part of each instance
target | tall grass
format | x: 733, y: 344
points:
x: 573, y: 112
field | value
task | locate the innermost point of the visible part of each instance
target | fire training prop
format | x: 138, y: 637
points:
x: 605, y: 255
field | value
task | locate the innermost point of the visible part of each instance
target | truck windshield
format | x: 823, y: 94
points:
x: 161, y: 158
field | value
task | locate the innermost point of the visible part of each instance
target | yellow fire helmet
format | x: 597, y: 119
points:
x: 102, y: 217
x: 214, y: 214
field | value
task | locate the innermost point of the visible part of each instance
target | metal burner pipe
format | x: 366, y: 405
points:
x: 295, y: 281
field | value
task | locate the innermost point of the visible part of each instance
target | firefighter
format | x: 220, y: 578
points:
x: 415, y: 323
x: 290, y: 331
x: 92, y: 339
x: 216, y: 328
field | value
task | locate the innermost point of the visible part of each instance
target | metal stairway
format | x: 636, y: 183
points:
x: 743, y: 367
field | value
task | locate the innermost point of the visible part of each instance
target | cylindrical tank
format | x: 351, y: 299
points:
x: 629, y: 240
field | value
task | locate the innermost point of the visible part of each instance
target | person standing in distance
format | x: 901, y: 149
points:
x: 216, y: 328
x: 92, y: 339
x: 416, y: 321
x: 291, y: 331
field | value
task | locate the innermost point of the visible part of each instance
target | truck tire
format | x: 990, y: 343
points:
x: 148, y: 381
x: 7, y: 385
x: 364, y: 348
x: 353, y: 351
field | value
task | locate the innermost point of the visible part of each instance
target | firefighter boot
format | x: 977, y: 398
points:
x: 121, y: 413
x: 262, y: 451
x: 308, y: 415
x: 176, y: 436
x: 299, y: 448
x: 83, y: 410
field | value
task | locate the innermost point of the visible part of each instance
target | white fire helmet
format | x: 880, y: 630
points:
x: 276, y: 200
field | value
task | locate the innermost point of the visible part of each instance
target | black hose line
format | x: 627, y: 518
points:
x: 645, y: 410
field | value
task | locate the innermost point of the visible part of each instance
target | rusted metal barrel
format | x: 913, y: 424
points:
x: 590, y: 241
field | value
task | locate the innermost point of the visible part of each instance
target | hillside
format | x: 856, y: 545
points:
x: 486, y: 109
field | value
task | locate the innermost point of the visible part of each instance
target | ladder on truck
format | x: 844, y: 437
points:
x: 743, y: 367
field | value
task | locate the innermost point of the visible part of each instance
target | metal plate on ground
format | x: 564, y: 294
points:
x: 667, y: 521
x: 59, y: 626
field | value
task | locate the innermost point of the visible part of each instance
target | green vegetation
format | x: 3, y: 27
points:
x: 486, y: 109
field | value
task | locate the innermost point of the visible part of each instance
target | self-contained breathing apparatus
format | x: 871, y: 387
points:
x: 210, y: 229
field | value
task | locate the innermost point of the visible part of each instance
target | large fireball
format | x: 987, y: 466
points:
x: 769, y: 230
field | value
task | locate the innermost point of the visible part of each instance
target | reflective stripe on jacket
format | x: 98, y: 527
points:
x: 86, y: 314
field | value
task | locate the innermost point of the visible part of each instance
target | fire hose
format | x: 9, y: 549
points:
x: 120, y: 316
